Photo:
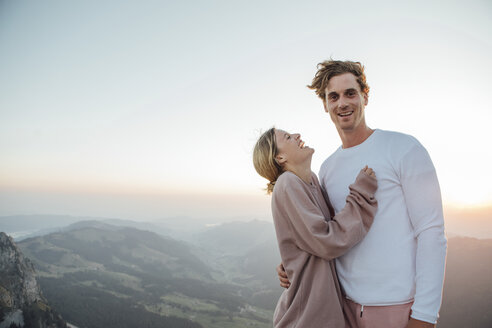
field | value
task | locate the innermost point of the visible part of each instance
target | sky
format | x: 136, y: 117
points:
x: 150, y: 109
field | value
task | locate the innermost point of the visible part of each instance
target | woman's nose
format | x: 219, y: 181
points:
x: 297, y: 136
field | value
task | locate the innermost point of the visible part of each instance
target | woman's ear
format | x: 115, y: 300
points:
x: 280, y: 159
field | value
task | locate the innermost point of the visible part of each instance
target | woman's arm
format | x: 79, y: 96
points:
x: 313, y: 233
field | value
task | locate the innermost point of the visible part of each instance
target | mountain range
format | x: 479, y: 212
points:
x: 108, y: 273
x: 125, y: 277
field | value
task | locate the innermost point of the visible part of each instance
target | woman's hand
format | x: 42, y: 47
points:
x: 367, y: 170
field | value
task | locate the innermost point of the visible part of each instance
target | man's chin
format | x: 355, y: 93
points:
x: 347, y: 127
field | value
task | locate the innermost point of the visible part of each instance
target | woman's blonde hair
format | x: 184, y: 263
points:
x: 264, y: 159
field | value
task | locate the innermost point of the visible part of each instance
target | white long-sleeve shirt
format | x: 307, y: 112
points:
x: 402, y: 258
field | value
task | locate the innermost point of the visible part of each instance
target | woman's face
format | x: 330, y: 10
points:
x: 291, y: 148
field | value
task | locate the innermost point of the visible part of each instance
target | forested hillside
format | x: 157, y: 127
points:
x: 99, y: 275
x: 103, y: 275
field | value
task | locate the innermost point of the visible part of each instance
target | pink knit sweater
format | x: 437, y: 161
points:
x: 309, y: 238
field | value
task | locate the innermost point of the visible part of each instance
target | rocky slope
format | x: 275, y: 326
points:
x: 21, y: 301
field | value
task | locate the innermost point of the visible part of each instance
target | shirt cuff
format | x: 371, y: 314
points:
x: 424, y: 317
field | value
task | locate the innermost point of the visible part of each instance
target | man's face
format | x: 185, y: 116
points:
x: 345, y: 102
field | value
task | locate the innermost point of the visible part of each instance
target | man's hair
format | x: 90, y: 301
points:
x: 331, y: 68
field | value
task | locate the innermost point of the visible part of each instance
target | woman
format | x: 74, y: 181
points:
x: 309, y: 235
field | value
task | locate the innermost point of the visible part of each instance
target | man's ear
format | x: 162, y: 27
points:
x: 366, y: 99
x: 281, y: 159
x: 325, y: 106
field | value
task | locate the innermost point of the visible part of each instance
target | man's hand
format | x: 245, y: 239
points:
x: 282, y: 276
x: 414, y: 323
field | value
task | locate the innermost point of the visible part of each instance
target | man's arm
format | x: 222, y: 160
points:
x: 424, y: 205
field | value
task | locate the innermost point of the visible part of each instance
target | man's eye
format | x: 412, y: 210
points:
x: 288, y: 137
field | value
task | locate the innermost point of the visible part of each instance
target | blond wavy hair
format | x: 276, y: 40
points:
x: 331, y: 68
x: 264, y: 160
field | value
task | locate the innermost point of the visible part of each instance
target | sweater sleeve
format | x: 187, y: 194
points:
x: 423, y: 198
x: 322, y: 236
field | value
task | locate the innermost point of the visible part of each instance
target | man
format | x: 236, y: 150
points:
x: 393, y: 278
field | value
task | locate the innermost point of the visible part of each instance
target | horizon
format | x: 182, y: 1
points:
x: 469, y: 222
x: 153, y: 206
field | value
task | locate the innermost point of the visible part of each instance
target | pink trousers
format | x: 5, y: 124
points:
x: 391, y: 316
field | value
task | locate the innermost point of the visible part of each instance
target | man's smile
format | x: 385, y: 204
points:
x: 345, y: 114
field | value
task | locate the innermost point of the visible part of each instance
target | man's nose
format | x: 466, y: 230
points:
x: 297, y: 136
x: 342, y: 102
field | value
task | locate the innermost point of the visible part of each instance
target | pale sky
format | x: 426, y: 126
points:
x: 147, y: 109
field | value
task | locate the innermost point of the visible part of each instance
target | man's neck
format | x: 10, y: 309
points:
x: 354, y: 137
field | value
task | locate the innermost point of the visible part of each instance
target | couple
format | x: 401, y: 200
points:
x: 386, y: 229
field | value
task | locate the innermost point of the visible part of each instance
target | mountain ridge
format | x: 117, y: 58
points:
x: 240, y: 258
x: 21, y: 300
x: 139, y: 271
